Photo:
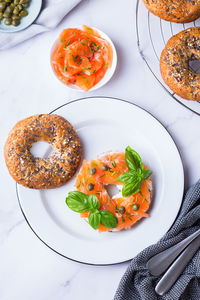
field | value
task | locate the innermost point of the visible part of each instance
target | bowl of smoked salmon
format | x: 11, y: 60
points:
x: 83, y: 58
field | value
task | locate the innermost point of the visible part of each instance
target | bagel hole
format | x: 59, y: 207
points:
x: 194, y: 66
x: 112, y: 190
x: 41, y: 149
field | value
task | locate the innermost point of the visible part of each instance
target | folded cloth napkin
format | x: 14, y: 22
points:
x: 138, y: 284
x: 52, y: 13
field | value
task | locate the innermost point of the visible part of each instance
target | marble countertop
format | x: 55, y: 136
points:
x: 28, y: 269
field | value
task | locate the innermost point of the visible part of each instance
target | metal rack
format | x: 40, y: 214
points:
x: 152, y: 36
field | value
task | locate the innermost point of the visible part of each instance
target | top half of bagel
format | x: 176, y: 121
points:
x: 178, y: 11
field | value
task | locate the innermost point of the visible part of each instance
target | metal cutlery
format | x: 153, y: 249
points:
x: 160, y: 262
x: 177, y: 267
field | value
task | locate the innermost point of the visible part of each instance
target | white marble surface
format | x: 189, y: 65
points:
x: 28, y: 269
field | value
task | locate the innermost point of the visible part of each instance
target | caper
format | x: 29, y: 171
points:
x: 92, y: 171
x: 122, y: 209
x: 13, y: 11
x: 15, y: 22
x: 20, y: 7
x: 7, y: 21
x: 16, y: 11
x: 136, y: 206
x: 104, y: 168
x: 25, y: 5
x: 90, y: 186
x: 6, y: 15
x: 23, y: 13
x: 2, y: 6
x: 14, y: 17
x: 24, y: 2
x: 8, y: 9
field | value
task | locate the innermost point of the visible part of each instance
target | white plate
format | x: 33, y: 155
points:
x: 33, y: 11
x: 108, y: 75
x: 109, y: 124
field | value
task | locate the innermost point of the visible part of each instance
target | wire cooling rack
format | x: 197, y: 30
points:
x: 152, y: 36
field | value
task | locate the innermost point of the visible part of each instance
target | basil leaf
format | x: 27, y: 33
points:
x: 127, y: 176
x: 131, y: 188
x: 93, y: 202
x: 108, y: 219
x: 94, y: 219
x: 132, y: 159
x: 146, y: 174
x: 77, y: 201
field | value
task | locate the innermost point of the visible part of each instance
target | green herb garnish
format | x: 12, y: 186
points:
x: 77, y: 201
x: 101, y: 175
x: 94, y: 47
x: 113, y: 163
x: 94, y: 219
x: 66, y: 69
x: 75, y: 57
x: 135, y: 176
x: 145, y: 200
x: 68, y: 43
x: 80, y: 202
x: 108, y: 219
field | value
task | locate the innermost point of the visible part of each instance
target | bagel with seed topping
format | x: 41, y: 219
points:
x: 178, y: 11
x: 42, y: 173
x: 174, y: 63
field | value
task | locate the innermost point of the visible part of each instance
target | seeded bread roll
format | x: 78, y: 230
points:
x: 178, y: 11
x: 41, y: 173
x: 174, y: 63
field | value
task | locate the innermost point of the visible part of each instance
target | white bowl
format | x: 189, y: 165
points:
x: 109, y: 72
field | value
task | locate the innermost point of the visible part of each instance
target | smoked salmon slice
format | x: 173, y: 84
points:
x: 112, y: 169
x: 81, y: 57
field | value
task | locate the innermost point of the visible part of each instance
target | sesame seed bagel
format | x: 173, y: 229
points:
x: 178, y: 11
x: 42, y: 173
x: 174, y: 63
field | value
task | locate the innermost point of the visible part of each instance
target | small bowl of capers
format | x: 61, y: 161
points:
x: 16, y: 15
